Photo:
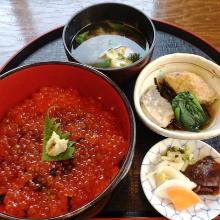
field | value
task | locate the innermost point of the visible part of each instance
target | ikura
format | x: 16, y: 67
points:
x: 30, y: 187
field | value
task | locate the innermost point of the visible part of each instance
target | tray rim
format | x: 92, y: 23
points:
x: 6, y: 66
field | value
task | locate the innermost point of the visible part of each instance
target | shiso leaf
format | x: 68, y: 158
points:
x: 51, y: 125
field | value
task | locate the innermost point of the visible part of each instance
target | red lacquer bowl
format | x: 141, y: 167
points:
x: 17, y: 84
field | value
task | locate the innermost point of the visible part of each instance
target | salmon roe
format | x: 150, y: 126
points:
x: 30, y: 187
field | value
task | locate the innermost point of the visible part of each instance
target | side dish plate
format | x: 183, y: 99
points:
x: 209, y: 206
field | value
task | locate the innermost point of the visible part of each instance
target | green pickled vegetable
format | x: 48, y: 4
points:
x: 188, y: 112
x: 173, y: 152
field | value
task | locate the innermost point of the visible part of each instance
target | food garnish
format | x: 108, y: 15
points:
x: 189, y: 113
x: 134, y: 57
x: 82, y: 37
x: 104, y: 64
x: 56, y: 145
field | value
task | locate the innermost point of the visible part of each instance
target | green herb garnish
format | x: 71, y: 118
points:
x: 82, y: 37
x: 134, y: 57
x: 50, y: 126
x: 104, y: 64
x: 188, y: 112
x: 121, y: 56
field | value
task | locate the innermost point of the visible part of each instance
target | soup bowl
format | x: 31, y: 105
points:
x: 113, y: 12
x: 179, y: 62
x: 18, y: 84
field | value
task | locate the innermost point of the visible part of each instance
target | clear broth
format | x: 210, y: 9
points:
x: 96, y: 39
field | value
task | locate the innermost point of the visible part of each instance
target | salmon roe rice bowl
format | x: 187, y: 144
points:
x: 38, y: 180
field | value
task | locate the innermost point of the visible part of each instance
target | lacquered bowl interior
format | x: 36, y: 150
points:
x: 20, y: 83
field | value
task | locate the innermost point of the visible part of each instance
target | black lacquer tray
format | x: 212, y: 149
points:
x: 128, y: 198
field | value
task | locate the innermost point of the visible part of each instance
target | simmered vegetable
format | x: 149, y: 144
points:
x: 188, y: 112
x: 184, y: 81
x: 157, y: 108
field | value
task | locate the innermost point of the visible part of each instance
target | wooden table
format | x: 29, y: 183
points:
x: 23, y: 20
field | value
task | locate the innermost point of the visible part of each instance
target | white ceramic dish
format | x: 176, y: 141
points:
x: 210, y: 206
x: 208, y: 70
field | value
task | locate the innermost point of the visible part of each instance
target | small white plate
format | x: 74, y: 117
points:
x: 208, y: 209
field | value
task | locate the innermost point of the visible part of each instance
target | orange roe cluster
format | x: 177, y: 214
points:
x: 30, y: 187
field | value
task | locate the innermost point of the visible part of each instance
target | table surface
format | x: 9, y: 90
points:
x: 23, y: 20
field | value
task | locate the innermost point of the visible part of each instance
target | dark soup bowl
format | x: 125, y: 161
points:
x: 79, y: 104
x: 114, y: 38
